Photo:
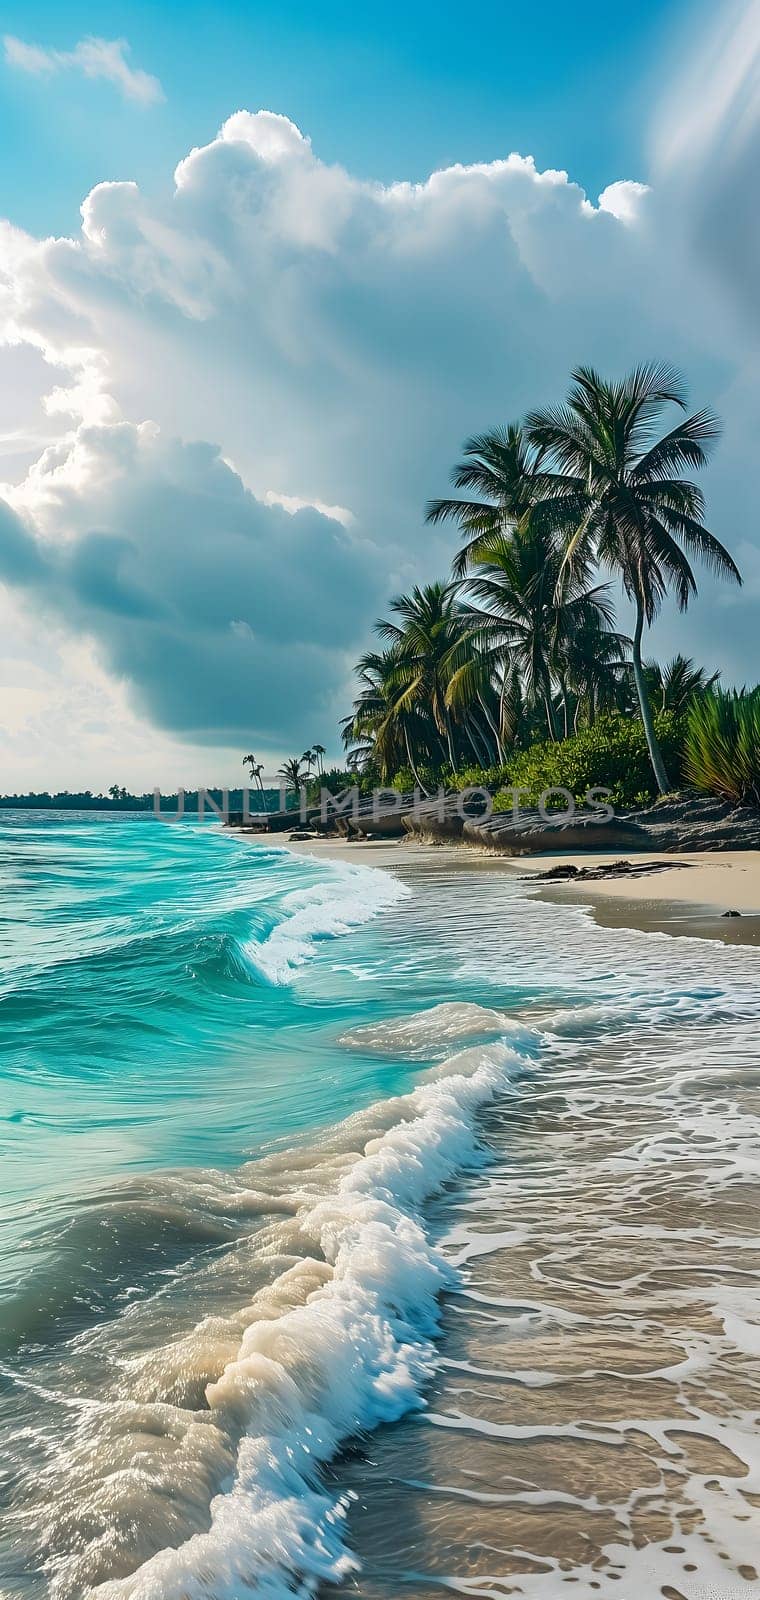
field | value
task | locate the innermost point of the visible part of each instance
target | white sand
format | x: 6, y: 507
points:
x: 721, y: 880
x: 725, y: 880
x: 691, y: 896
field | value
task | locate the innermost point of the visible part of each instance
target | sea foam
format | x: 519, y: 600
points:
x: 355, y: 1353
x: 350, y: 897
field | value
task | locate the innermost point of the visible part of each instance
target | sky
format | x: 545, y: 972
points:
x: 263, y: 268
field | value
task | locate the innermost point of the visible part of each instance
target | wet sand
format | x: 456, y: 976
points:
x: 592, y: 1423
x: 688, y: 898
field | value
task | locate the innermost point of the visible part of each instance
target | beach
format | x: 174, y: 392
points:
x: 396, y: 1195
x: 686, y: 894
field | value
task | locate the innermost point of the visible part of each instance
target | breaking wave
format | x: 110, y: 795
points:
x: 351, y: 897
x: 337, y: 1342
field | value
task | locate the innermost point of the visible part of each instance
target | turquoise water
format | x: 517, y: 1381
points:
x: 136, y: 1028
x: 147, y: 1013
x: 231, y: 1078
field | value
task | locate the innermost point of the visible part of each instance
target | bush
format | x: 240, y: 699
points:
x: 479, y: 778
x: 610, y: 755
x: 722, y: 745
x: 405, y: 781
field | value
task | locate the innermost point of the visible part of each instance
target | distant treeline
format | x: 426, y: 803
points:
x: 66, y: 800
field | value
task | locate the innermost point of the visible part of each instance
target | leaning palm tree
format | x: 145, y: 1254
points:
x: 631, y: 509
x: 256, y: 769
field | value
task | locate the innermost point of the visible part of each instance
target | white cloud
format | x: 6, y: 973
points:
x: 227, y: 615
x: 336, y: 340
x: 95, y: 58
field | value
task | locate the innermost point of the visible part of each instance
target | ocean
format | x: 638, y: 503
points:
x: 366, y: 1233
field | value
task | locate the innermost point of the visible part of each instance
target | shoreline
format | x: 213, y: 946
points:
x: 688, y: 898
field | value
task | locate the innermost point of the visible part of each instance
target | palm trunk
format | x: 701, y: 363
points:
x: 478, y: 741
x: 493, y: 727
x: 550, y: 719
x: 410, y: 759
x: 655, y: 753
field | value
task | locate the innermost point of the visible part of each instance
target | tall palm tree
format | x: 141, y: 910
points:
x: 256, y: 769
x: 384, y: 731
x: 603, y: 461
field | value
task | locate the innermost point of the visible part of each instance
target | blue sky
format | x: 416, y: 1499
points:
x: 392, y: 89
x: 225, y: 401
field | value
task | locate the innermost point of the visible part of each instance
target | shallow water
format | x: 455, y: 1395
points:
x: 291, y: 1148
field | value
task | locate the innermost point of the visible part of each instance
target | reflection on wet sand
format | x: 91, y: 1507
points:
x: 591, y: 1423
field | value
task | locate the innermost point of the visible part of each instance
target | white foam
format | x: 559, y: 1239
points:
x: 355, y: 1354
x: 429, y: 1033
x: 350, y: 897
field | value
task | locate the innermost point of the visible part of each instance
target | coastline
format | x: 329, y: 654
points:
x: 494, y: 1220
x: 688, y: 898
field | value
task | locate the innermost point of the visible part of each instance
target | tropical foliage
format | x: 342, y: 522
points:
x: 520, y: 646
x: 612, y: 755
x: 627, y: 506
x: 722, y: 744
x: 672, y: 688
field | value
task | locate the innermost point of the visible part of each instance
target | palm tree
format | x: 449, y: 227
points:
x: 430, y: 643
x: 593, y: 667
x: 602, y: 460
x: 291, y: 773
x: 549, y: 633
x: 383, y: 730
x: 502, y: 469
x: 319, y: 753
x: 256, y: 768
x: 677, y: 684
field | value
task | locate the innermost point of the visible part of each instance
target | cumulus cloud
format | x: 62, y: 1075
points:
x: 225, y: 613
x: 95, y: 58
x: 333, y: 341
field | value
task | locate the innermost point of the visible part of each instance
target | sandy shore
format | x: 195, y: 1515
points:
x: 690, y: 897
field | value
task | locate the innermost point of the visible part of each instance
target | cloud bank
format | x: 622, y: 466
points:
x: 271, y: 332
x: 94, y: 58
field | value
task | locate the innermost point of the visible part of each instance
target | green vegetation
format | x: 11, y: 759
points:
x: 513, y: 669
x: 722, y: 745
x: 613, y: 754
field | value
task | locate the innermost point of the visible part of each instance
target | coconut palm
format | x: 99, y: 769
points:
x: 430, y: 641
x: 675, y: 686
x: 384, y: 731
x: 503, y: 470
x: 291, y: 773
x: 256, y: 769
x: 554, y: 636
x: 619, y: 482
